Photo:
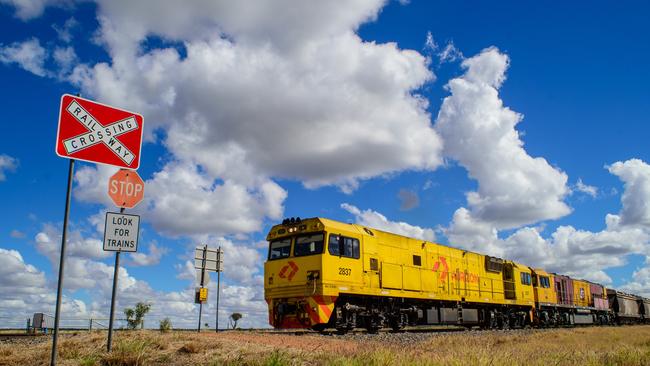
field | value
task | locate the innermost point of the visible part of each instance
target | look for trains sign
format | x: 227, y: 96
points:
x: 98, y: 133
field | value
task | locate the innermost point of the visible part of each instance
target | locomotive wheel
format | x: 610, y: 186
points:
x: 505, y: 321
x: 398, y: 322
x: 373, y: 324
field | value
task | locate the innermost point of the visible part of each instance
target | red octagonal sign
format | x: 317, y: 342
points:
x: 126, y: 188
x: 98, y: 133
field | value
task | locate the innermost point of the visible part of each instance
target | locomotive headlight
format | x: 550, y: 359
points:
x: 271, y: 280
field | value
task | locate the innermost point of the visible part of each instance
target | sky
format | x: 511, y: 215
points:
x: 515, y: 129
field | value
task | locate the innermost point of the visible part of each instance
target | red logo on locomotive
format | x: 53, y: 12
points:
x: 445, y: 268
x: 283, y: 272
x: 455, y: 276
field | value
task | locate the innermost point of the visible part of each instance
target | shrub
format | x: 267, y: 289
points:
x: 234, y: 318
x: 135, y: 317
x: 165, y: 325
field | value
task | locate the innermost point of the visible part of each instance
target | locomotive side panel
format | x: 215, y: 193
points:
x: 598, y: 297
x: 491, y: 279
x: 342, y: 260
x: 523, y: 283
x: 543, y: 288
x: 563, y: 290
x: 581, y: 293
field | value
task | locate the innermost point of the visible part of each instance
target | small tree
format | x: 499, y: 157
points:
x: 165, y: 325
x: 135, y: 317
x: 234, y: 317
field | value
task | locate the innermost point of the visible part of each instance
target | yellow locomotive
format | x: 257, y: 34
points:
x: 322, y: 273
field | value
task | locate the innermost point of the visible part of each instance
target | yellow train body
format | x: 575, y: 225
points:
x: 582, y: 294
x: 544, y: 290
x: 314, y: 262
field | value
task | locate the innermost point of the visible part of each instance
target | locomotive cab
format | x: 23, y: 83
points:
x: 293, y: 285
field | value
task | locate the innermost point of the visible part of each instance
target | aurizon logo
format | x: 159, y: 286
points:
x: 283, y: 272
x: 445, y: 268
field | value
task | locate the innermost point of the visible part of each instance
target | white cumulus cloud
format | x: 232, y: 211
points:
x: 587, y: 189
x: 29, y: 55
x: 635, y: 175
x: 514, y: 188
x: 7, y: 164
x: 249, y: 80
x: 568, y: 250
x: 141, y: 258
x: 30, y: 9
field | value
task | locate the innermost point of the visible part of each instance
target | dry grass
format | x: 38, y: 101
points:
x: 582, y: 346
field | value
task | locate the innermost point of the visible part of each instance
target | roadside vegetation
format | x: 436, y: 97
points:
x: 135, y: 316
x: 581, y: 346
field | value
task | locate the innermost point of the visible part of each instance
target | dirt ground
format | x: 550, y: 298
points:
x: 579, y: 346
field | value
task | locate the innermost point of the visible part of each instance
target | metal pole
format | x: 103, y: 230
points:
x: 109, y: 343
x: 59, y: 289
x: 216, y: 328
x: 205, y: 249
x: 200, y: 311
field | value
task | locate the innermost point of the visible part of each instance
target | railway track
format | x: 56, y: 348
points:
x: 433, y: 330
x: 422, y: 332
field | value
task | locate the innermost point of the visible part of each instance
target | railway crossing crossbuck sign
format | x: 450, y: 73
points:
x: 98, y: 133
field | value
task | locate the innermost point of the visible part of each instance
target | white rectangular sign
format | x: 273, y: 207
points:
x: 121, y: 232
x: 213, y: 260
x: 206, y: 277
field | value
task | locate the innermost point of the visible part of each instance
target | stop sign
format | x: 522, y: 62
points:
x: 126, y: 188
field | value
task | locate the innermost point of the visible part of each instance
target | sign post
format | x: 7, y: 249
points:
x: 116, y: 268
x: 96, y: 133
x: 206, y: 259
x: 201, y: 299
x: 219, y: 269
x: 59, y: 287
x: 121, y: 231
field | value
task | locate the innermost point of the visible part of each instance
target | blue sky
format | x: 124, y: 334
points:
x: 515, y: 129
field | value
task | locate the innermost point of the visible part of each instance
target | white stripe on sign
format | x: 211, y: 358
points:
x: 106, y: 134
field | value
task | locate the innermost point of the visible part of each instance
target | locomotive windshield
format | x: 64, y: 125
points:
x: 309, y: 244
x: 280, y: 248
